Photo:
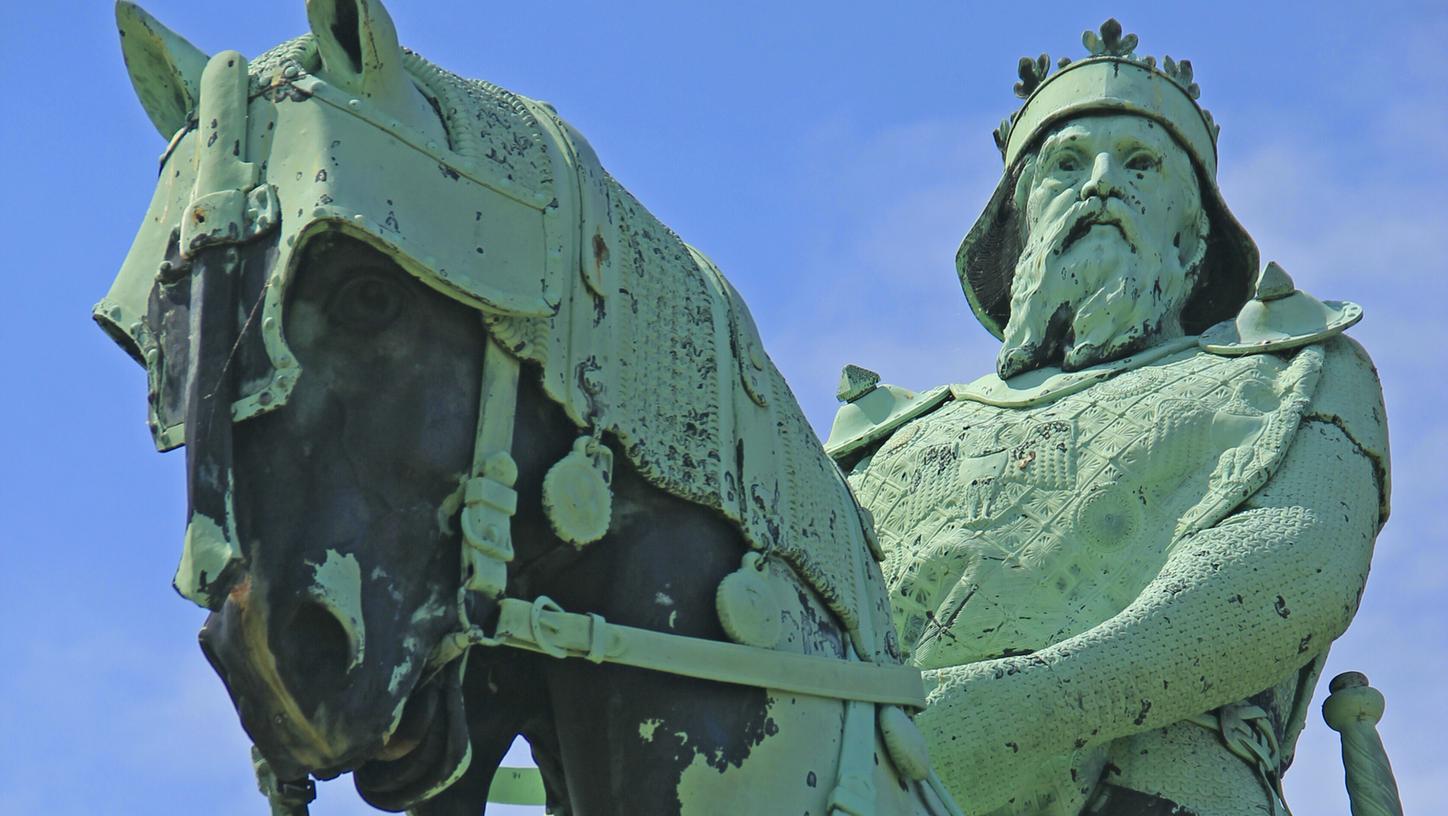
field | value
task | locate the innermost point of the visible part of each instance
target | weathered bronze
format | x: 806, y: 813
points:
x: 1353, y: 709
x: 1120, y: 559
x: 477, y: 448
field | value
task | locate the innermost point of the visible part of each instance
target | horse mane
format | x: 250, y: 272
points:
x: 651, y: 345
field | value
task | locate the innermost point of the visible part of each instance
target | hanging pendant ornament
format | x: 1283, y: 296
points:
x: 904, y: 742
x: 748, y: 605
x: 576, y: 492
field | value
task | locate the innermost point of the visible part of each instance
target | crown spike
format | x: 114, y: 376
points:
x: 1107, y: 43
x: 1032, y: 72
x: 1181, y: 74
x: 1001, y: 133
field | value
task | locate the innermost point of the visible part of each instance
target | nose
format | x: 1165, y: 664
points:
x: 309, y: 644
x: 314, y: 650
x: 1102, y: 182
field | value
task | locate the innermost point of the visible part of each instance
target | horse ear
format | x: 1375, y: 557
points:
x: 165, y: 69
x: 359, y: 50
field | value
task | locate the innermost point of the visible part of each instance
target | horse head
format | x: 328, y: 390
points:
x: 305, y: 294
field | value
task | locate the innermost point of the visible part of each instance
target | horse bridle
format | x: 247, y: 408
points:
x: 541, y: 625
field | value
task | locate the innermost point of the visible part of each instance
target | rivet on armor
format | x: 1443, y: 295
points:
x: 1274, y: 283
x: 856, y: 382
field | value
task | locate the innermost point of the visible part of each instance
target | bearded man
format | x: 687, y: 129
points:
x: 1120, y: 559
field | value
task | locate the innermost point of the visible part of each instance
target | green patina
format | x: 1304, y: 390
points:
x: 1102, y: 552
x: 1148, y: 525
x: 491, y: 199
x: 337, y: 583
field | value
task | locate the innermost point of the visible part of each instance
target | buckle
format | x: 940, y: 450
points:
x: 296, y: 792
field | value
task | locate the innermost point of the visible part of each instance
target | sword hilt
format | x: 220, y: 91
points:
x: 1353, y: 709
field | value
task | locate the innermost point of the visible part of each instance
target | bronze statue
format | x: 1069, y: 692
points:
x: 1121, y: 558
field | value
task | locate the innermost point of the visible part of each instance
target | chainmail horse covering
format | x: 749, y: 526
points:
x: 652, y: 345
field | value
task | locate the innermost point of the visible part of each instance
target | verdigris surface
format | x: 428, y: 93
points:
x: 440, y: 380
x: 1120, y: 559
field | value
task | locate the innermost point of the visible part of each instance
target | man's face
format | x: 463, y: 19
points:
x: 1114, y: 232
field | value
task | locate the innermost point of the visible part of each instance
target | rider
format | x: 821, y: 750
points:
x: 1121, y: 558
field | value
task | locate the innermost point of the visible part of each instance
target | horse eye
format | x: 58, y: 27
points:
x: 369, y: 302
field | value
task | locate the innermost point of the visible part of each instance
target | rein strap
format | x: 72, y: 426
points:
x: 544, y: 627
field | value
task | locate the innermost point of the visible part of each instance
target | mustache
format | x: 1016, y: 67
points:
x: 1081, y: 217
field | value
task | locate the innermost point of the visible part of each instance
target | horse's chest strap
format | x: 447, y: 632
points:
x: 544, y: 627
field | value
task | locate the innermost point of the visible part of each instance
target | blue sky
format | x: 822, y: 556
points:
x: 829, y: 156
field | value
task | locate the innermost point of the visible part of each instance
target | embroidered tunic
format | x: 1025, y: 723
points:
x: 1015, y: 532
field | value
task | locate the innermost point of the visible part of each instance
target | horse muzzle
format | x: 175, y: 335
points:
x: 295, y: 675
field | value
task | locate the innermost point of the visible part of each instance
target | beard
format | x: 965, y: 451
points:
x: 1089, y: 288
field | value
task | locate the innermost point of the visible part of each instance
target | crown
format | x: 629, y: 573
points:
x: 1098, y: 83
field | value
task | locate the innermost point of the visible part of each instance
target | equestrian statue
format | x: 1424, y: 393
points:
x: 476, y: 448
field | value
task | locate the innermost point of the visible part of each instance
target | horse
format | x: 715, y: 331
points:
x: 441, y: 380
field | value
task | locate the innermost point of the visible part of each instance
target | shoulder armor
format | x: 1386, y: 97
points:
x: 871, y: 411
x: 1350, y: 396
x: 1278, y: 318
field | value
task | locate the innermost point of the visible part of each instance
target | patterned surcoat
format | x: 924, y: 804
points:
x: 1007, y: 529
x: 1012, y: 526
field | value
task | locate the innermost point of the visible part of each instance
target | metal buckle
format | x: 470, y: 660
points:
x: 296, y: 792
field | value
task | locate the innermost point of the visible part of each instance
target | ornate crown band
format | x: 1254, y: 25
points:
x: 1112, y: 79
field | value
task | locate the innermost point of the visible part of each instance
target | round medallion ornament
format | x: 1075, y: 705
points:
x: 748, y: 607
x: 576, y: 492
x: 1109, y: 518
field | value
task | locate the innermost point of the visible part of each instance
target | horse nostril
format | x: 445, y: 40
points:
x: 315, y: 651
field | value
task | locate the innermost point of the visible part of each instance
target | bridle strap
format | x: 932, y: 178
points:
x: 542, y: 626
x: 489, y: 500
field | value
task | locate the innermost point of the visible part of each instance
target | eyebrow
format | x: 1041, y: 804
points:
x: 1055, y: 139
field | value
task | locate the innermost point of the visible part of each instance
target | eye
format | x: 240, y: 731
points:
x: 1142, y: 160
x: 1067, y: 162
x: 369, y: 302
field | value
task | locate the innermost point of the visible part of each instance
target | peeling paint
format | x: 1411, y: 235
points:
x: 399, y: 673
x: 793, y: 738
x: 337, y: 584
x: 432, y: 610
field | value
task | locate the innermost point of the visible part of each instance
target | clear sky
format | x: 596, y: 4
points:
x: 829, y: 156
